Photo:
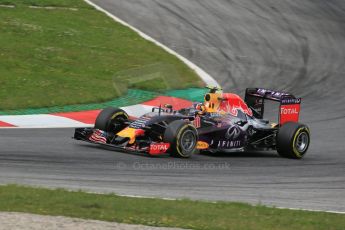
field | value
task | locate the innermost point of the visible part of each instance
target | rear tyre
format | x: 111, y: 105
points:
x: 182, y: 137
x: 111, y: 120
x: 293, y: 140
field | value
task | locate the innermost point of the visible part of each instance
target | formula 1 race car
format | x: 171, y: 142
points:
x: 222, y: 123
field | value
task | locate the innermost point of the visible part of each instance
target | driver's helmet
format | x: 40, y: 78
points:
x: 198, y: 106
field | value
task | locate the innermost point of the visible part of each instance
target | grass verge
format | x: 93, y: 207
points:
x: 158, y: 212
x: 62, y: 52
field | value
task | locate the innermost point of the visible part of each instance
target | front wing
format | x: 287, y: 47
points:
x: 101, y: 138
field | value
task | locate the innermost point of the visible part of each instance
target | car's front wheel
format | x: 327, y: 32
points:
x: 182, y: 137
x: 111, y: 120
x: 293, y: 140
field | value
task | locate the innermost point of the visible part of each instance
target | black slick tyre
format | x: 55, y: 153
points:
x: 182, y: 137
x: 293, y: 140
x: 111, y: 120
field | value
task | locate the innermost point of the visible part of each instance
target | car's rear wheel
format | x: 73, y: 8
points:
x: 293, y: 140
x: 111, y: 120
x: 182, y: 137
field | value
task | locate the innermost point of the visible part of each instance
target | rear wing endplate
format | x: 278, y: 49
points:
x: 289, y: 107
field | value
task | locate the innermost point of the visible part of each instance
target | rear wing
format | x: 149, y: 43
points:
x: 289, y: 107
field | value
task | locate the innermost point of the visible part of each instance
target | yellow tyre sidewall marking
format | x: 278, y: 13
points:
x: 297, y: 153
x: 119, y: 114
x: 178, y: 138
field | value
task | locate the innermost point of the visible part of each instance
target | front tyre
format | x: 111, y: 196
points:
x: 111, y: 120
x: 182, y: 137
x: 293, y: 140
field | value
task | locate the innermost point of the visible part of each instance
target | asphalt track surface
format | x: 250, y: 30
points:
x: 297, y: 46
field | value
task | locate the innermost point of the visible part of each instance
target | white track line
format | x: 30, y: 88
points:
x: 311, y: 210
x: 203, y: 75
x: 40, y: 120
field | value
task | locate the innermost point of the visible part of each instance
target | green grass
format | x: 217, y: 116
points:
x: 157, y: 212
x: 54, y: 57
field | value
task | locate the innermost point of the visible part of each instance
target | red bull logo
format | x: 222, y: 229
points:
x: 232, y: 103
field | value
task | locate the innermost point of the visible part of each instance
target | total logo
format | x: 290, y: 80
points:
x: 288, y: 111
x: 158, y: 148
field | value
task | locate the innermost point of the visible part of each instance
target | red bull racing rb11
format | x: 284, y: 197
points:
x: 222, y: 123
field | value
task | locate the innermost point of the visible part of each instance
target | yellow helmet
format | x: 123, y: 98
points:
x: 213, y: 99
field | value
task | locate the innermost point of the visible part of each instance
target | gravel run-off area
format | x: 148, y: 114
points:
x: 15, y: 220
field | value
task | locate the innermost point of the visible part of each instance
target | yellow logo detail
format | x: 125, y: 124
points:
x: 128, y: 132
x: 202, y: 145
